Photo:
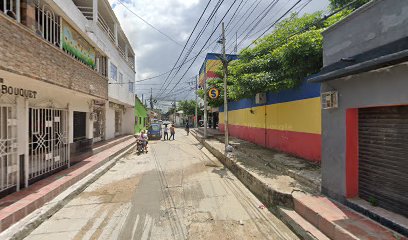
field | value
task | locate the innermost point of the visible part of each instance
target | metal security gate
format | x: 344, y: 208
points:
x: 383, y: 157
x: 8, y: 147
x: 48, y: 141
x: 99, y: 123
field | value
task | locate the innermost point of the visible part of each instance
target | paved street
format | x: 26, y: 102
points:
x: 176, y: 191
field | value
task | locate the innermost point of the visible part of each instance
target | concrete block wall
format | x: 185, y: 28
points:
x: 290, y: 121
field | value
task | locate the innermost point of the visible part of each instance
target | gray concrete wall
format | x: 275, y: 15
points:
x: 377, y: 88
x: 375, y: 24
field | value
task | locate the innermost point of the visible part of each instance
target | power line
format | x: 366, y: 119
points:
x: 205, y: 43
x: 158, y: 30
x: 216, y: 7
x: 264, y: 14
x: 273, y: 24
x: 185, y: 45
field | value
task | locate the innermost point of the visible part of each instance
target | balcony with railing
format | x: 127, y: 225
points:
x: 108, y: 24
x: 58, y: 54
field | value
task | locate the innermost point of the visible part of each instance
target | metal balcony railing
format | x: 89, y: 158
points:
x: 105, y: 27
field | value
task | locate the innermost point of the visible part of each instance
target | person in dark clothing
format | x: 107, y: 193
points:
x: 172, y: 132
x: 166, y: 133
x: 187, y: 128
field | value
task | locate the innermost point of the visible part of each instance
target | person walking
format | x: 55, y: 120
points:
x: 172, y: 131
x: 187, y: 128
x: 166, y: 133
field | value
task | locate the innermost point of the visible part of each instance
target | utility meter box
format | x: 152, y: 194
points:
x: 329, y: 100
x: 260, y: 98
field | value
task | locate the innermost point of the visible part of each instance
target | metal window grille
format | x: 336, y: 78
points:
x: 99, y: 123
x: 102, y: 65
x: 48, y: 140
x: 48, y: 23
x: 113, y: 72
x: 120, y: 78
x: 118, y: 122
x: 10, y: 8
x: 8, y: 147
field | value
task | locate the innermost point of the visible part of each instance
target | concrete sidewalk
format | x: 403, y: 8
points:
x: 18, y: 205
x: 290, y: 187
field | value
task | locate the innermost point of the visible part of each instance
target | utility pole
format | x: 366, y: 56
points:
x: 175, y: 109
x: 225, y: 64
x: 196, y: 104
x: 151, y: 98
x: 205, y: 100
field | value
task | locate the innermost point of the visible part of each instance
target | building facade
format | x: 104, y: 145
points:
x: 55, y: 98
x: 364, y: 135
x: 141, y: 118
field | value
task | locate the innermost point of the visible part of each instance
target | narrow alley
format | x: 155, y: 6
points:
x: 178, y: 190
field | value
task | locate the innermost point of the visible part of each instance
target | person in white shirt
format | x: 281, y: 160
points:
x: 166, y: 133
x: 144, y: 139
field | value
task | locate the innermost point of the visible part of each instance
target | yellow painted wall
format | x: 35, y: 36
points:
x: 298, y: 116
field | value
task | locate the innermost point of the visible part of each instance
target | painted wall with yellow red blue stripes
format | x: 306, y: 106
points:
x: 290, y: 121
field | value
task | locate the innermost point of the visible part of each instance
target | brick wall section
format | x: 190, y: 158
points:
x: 24, y: 53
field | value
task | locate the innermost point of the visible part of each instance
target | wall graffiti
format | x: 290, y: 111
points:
x: 74, y: 44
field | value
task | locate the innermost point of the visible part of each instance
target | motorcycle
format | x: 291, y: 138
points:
x: 140, y: 147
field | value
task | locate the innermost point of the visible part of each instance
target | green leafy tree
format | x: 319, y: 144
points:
x: 187, y: 106
x: 280, y: 60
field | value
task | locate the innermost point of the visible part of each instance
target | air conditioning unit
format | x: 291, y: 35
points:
x: 329, y: 100
x: 260, y: 98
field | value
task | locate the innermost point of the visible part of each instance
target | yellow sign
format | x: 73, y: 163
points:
x: 214, y: 93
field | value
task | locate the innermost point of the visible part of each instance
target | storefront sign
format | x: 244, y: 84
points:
x: 214, y: 93
x: 10, y: 90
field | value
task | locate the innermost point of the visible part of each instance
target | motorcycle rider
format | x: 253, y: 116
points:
x: 143, y: 139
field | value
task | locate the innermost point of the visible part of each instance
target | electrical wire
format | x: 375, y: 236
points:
x: 158, y: 30
x: 185, y: 45
x: 215, y: 9
x: 229, y: 9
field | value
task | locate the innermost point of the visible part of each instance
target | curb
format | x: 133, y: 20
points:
x: 266, y: 194
x: 25, y: 226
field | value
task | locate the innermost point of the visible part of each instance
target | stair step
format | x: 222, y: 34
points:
x: 300, y: 225
x: 337, y: 221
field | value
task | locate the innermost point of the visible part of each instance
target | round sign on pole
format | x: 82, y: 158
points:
x: 214, y: 93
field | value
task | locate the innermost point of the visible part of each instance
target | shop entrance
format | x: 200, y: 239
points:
x: 8, y: 147
x: 48, y: 141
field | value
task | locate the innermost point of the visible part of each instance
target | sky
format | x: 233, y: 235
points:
x: 157, y: 54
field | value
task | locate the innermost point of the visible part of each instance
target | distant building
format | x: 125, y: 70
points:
x: 141, y: 117
x: 208, y: 71
x: 56, y: 60
x: 365, y: 125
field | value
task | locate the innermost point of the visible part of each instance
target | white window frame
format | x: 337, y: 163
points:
x: 113, y: 75
x: 120, y: 78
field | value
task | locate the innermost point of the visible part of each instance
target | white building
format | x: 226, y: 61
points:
x: 66, y: 81
x: 97, y: 19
